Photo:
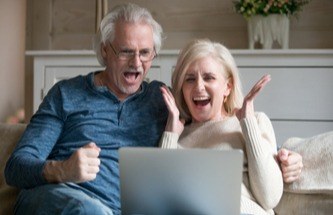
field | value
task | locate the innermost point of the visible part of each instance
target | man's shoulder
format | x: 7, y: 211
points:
x: 70, y: 85
x: 152, y: 92
x: 155, y: 83
x: 153, y: 87
x: 80, y: 81
x: 76, y: 79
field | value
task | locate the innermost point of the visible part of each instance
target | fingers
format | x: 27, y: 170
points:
x: 167, y: 97
x: 291, y: 165
x: 283, y: 155
x: 248, y: 107
x: 289, y: 158
x: 170, y: 102
x: 91, y: 150
x: 174, y: 123
x: 258, y: 87
x: 89, y: 167
x: 91, y: 145
x: 263, y: 81
x: 84, y: 164
x: 92, y: 170
x: 166, y: 91
x: 291, y: 173
x: 165, y: 94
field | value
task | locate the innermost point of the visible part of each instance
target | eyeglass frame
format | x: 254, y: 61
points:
x: 133, y: 54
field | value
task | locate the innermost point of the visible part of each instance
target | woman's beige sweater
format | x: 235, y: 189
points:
x: 262, y: 185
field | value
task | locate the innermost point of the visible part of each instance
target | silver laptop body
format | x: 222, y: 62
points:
x: 156, y: 181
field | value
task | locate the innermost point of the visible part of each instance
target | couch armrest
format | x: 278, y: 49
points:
x: 9, y: 136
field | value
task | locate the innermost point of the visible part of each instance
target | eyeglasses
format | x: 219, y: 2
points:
x: 145, y: 55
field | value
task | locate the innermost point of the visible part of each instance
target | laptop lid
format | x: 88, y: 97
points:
x: 156, y: 181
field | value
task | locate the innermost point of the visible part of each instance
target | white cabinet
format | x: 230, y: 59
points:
x: 298, y: 100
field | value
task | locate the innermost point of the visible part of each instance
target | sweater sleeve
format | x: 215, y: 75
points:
x: 169, y: 140
x: 264, y: 173
x: 24, y: 168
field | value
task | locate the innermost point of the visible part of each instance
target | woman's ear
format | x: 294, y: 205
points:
x: 229, y: 86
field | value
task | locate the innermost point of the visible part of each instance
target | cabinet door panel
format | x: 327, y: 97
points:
x: 154, y: 73
x: 302, y: 129
x: 53, y: 74
x: 293, y: 93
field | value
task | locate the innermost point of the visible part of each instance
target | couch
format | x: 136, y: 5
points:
x: 311, y: 194
x: 9, y: 136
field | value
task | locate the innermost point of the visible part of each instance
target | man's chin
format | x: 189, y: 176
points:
x: 131, y: 89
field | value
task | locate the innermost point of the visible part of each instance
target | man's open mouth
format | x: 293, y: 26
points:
x: 131, y: 76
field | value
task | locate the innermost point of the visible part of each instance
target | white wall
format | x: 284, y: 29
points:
x: 12, y: 43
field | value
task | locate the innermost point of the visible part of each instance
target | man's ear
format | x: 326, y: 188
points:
x: 103, y: 51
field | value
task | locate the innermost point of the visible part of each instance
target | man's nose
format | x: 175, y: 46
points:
x: 135, y: 61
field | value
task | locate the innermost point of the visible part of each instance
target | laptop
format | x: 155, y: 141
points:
x: 155, y: 181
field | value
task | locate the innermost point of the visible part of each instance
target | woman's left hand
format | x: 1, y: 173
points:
x: 248, y: 109
x: 291, y: 165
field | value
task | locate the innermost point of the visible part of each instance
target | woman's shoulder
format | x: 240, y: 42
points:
x: 261, y: 117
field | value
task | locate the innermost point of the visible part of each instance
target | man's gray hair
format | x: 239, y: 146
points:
x: 130, y: 13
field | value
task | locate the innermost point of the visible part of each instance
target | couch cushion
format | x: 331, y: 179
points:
x: 317, y: 174
x: 9, y: 136
x: 305, y: 204
x: 312, y: 193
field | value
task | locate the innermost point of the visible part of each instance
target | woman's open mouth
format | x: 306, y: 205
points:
x: 201, y: 100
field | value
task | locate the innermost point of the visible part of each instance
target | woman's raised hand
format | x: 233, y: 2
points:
x: 248, y: 109
x: 174, y: 124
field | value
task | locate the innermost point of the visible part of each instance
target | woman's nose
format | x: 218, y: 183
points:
x: 200, y: 85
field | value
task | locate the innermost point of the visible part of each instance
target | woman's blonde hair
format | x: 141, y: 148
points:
x: 197, y: 50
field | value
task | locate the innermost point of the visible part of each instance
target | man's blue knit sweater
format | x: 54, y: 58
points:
x: 76, y: 112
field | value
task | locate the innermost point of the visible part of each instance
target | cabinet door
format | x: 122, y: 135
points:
x: 154, y: 73
x: 298, y: 100
x: 55, y: 74
x: 303, y: 129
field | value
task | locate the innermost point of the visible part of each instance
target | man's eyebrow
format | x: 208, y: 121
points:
x: 131, y: 49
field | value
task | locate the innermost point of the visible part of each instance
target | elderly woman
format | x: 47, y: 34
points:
x: 208, y: 99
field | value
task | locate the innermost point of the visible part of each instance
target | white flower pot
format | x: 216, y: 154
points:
x: 267, y: 29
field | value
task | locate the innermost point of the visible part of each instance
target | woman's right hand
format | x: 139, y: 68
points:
x: 248, y: 109
x: 174, y: 124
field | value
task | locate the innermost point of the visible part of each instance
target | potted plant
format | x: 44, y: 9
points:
x: 268, y: 20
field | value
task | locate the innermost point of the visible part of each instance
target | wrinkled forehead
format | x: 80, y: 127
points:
x: 206, y: 63
x: 134, y: 34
